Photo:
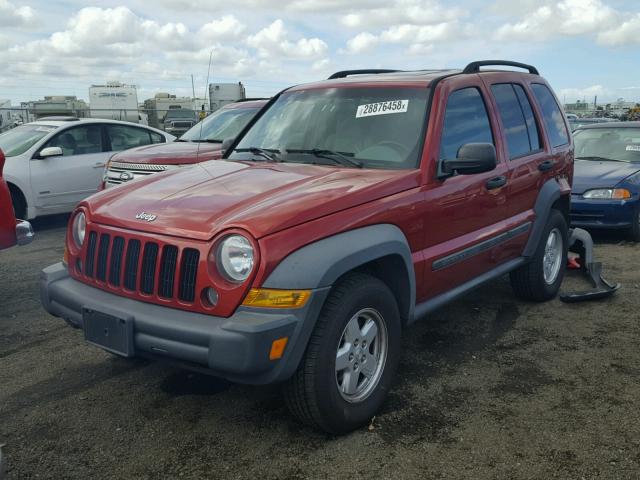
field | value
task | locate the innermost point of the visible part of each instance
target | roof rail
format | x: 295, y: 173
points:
x: 251, y: 99
x: 474, y: 67
x: 347, y: 73
x: 59, y: 118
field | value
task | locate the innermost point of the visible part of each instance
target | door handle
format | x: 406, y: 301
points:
x: 496, y: 182
x: 546, y: 165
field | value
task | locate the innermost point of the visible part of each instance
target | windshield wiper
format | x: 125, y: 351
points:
x: 600, y: 159
x: 265, y: 153
x: 341, y: 158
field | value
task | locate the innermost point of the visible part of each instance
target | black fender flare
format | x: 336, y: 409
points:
x: 550, y: 192
x: 321, y: 263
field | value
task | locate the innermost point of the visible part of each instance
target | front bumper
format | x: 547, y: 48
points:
x: 602, y: 213
x: 236, y: 348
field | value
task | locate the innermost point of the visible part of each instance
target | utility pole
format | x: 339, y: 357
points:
x: 193, y: 87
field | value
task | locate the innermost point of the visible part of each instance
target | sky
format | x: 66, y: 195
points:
x: 583, y: 48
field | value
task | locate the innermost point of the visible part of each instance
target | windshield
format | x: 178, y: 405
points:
x: 373, y: 127
x: 20, y: 139
x: 181, y: 113
x: 220, y: 125
x: 620, y: 144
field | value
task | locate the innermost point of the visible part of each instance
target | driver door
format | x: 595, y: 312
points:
x: 60, y: 182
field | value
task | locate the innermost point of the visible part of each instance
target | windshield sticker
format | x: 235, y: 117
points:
x: 633, y: 148
x: 382, y: 108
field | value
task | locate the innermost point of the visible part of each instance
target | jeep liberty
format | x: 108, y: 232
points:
x: 344, y: 211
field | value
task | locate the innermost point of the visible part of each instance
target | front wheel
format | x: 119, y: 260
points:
x: 540, y: 279
x: 351, y: 358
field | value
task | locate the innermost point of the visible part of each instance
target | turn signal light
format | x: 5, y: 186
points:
x: 277, y: 348
x: 271, y: 298
x: 621, y: 194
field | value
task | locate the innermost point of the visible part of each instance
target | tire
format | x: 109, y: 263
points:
x: 529, y: 282
x: 19, y: 204
x: 313, y: 394
x: 634, y: 231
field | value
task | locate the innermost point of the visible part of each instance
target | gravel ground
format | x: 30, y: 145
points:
x: 488, y: 387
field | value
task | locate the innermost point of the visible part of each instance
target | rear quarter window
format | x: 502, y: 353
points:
x: 551, y: 115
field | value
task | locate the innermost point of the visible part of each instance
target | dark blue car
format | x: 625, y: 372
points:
x: 606, y: 184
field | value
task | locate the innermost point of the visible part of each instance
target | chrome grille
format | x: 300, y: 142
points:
x: 121, y: 172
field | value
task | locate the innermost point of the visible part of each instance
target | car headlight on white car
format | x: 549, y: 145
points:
x: 607, y: 194
x: 235, y: 258
x: 78, y: 229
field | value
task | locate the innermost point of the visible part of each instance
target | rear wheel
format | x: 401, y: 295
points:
x: 351, y: 358
x: 540, y: 279
x: 634, y: 231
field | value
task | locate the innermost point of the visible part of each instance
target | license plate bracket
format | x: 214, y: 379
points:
x: 109, y: 332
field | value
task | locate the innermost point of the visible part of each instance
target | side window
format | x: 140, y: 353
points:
x: 78, y: 140
x: 123, y: 137
x: 156, y: 138
x: 552, y: 115
x: 465, y: 121
x: 517, y: 119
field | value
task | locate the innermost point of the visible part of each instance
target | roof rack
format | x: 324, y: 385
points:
x: 59, y: 118
x: 347, y: 73
x: 474, y: 67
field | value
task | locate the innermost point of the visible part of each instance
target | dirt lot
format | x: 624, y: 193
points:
x: 489, y: 387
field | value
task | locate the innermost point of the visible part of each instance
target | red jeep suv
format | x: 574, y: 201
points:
x: 344, y: 211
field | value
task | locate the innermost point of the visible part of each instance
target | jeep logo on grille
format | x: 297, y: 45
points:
x: 146, y: 216
x: 126, y: 176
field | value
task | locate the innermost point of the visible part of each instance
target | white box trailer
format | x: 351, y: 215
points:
x: 115, y: 101
x: 221, y: 94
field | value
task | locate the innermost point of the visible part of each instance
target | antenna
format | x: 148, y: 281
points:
x: 205, y: 96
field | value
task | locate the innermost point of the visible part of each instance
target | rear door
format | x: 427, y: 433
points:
x: 467, y: 216
x: 123, y: 137
x: 59, y: 183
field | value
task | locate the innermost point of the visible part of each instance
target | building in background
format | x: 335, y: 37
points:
x: 55, y: 105
x: 220, y: 94
x: 115, y: 101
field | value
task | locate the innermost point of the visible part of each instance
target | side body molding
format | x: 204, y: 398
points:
x: 321, y: 263
x: 549, y: 193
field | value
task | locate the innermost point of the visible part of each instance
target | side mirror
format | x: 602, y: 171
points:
x: 226, y: 143
x: 50, y: 152
x: 472, y: 158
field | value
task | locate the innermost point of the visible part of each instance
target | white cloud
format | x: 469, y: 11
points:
x: 226, y: 28
x: 588, y: 93
x: 14, y: 16
x: 395, y: 12
x: 273, y: 41
x: 627, y: 32
x: 363, y: 42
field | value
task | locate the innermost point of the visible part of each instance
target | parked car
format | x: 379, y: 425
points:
x: 52, y: 164
x: 345, y: 211
x: 178, y: 120
x: 12, y: 231
x: 606, y: 188
x: 201, y: 143
x: 576, y: 123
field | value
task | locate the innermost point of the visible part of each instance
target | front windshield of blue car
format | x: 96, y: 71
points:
x: 612, y: 143
x: 370, y: 127
x: 20, y: 139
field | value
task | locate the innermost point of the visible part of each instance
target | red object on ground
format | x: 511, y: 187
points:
x: 7, y: 217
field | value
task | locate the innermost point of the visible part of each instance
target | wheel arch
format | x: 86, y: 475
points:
x: 379, y: 250
x: 15, y: 189
x: 552, y: 196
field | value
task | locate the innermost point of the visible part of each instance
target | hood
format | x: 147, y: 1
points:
x: 173, y: 153
x: 261, y: 198
x: 588, y: 174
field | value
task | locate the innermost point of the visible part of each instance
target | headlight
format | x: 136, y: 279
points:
x: 234, y: 257
x: 78, y: 229
x: 607, y: 194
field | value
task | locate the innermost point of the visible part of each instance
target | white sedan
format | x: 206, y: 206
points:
x: 54, y: 163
